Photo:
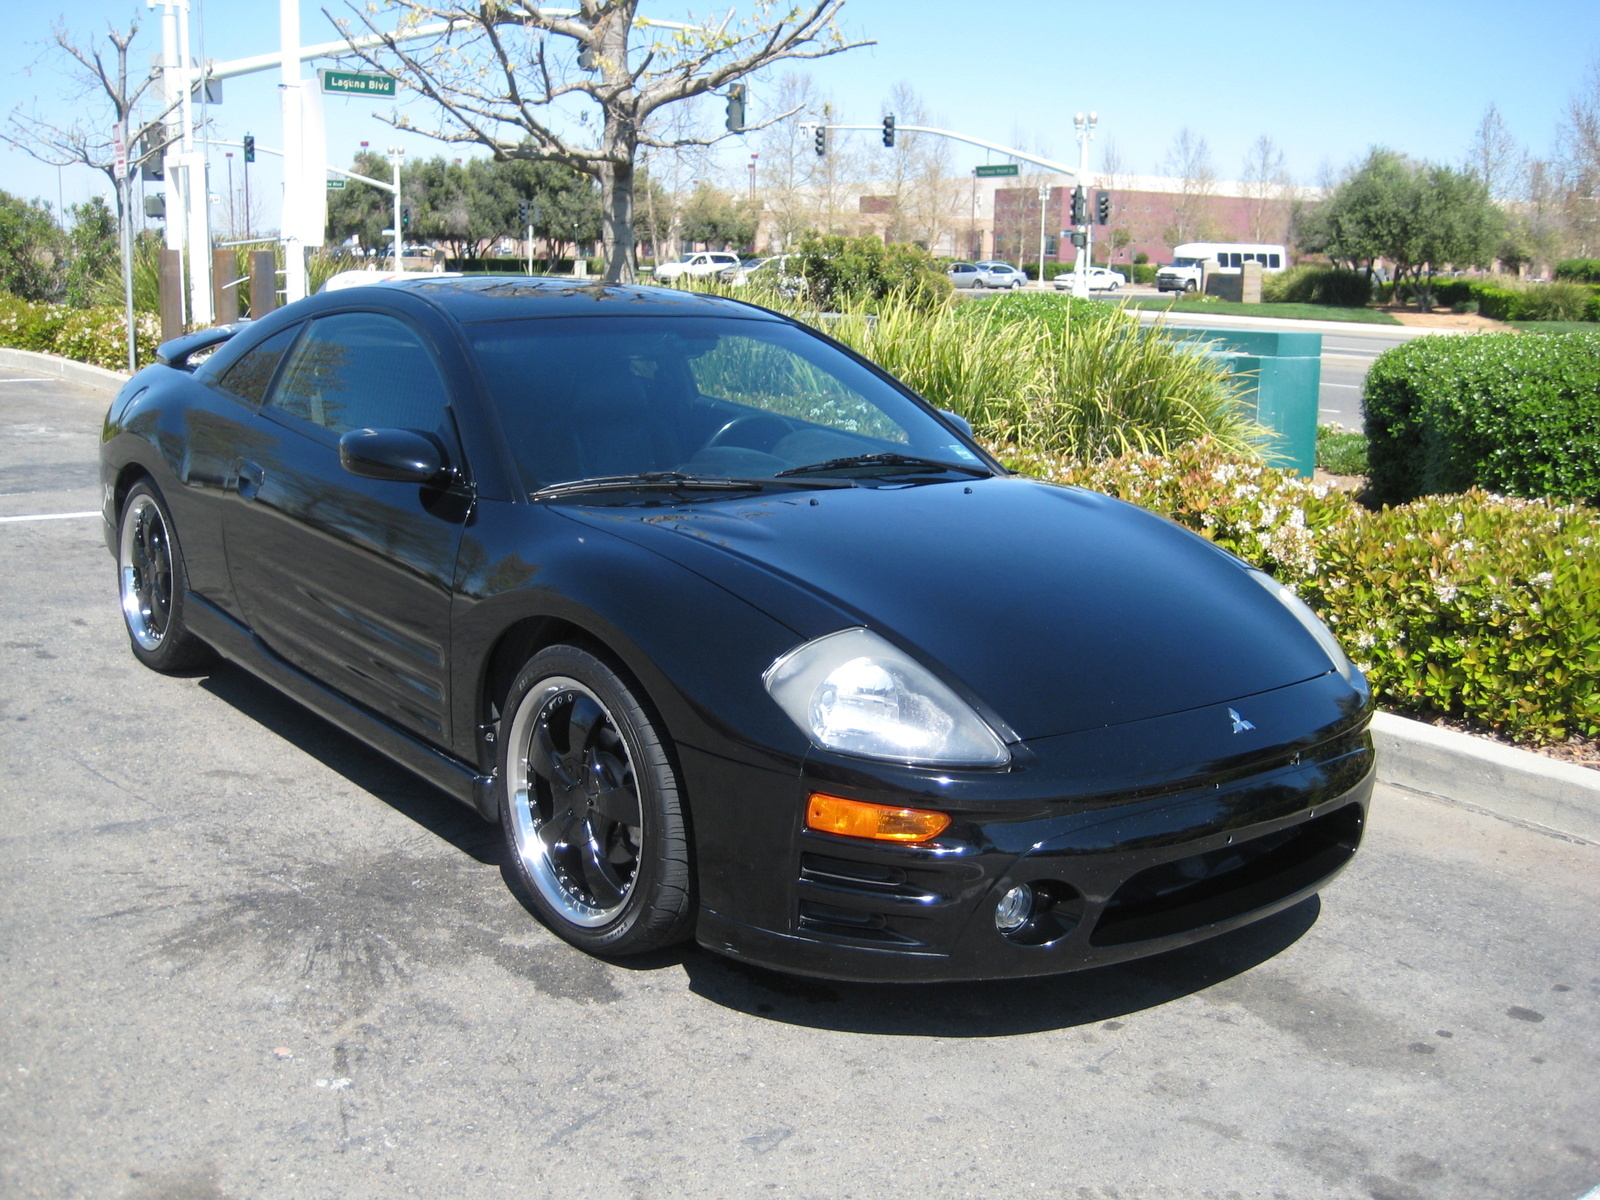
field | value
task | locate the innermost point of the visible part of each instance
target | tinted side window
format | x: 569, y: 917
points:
x: 362, y: 371
x: 1272, y: 260
x: 251, y: 376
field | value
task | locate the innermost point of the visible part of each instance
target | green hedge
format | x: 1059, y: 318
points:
x: 1579, y: 270
x: 1144, y: 273
x: 91, y: 335
x: 1311, y: 284
x: 1515, y: 414
x: 1473, y: 606
x: 1507, y: 300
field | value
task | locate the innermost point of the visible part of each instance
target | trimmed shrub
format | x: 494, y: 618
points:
x: 1474, y: 606
x: 1341, y: 451
x: 1313, y: 284
x: 839, y: 270
x: 1515, y: 414
x: 1579, y: 270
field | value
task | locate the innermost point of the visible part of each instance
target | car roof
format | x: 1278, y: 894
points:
x: 498, y: 297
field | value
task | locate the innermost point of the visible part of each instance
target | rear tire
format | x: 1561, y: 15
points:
x: 590, y: 807
x: 153, y: 584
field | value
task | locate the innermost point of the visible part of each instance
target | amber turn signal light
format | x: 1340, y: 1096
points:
x: 880, y: 822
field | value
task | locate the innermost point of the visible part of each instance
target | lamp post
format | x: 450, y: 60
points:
x: 1084, y: 128
x: 396, y: 154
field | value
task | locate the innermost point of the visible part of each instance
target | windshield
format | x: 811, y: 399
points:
x: 592, y: 397
x: 1187, y: 262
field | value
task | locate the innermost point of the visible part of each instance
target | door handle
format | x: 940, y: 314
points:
x: 248, y: 477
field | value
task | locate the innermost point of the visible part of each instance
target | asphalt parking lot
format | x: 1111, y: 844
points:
x: 243, y: 956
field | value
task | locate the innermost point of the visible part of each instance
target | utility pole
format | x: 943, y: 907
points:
x: 396, y: 156
x: 294, y: 180
x: 1044, y: 207
x: 1084, y: 129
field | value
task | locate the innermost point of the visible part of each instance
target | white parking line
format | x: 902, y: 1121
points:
x: 1357, y: 386
x: 49, y: 517
x: 27, y: 381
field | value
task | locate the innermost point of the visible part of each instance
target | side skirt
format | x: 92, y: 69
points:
x: 236, y: 643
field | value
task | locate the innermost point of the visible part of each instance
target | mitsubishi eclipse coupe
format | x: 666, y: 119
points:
x: 736, y: 637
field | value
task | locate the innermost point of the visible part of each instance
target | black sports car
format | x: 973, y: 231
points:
x: 735, y: 636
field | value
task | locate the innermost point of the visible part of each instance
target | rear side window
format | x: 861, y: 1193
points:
x: 251, y: 376
x: 362, y: 371
x: 1273, y: 260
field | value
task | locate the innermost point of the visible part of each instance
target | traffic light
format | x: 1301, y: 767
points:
x: 736, y: 108
x: 1080, y: 207
x: 822, y: 140
x: 1102, y: 208
x: 888, y: 130
x: 405, y: 217
x: 151, y: 166
x: 522, y: 213
x: 249, y: 148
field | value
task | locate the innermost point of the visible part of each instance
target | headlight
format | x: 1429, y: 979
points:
x: 853, y: 692
x: 1313, y: 623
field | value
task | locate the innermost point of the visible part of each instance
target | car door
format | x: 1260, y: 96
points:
x: 349, y: 578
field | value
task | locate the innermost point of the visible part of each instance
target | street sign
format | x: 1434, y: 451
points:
x: 336, y: 185
x: 994, y: 169
x: 354, y: 83
x: 119, y: 150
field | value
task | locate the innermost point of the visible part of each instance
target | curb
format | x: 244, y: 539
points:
x: 1517, y: 784
x: 82, y: 374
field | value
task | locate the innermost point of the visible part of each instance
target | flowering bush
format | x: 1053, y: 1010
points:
x: 1473, y: 606
x: 91, y: 335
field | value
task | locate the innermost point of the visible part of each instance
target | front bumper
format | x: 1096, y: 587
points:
x: 1116, y: 874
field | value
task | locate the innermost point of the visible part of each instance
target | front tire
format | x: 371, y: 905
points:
x: 1189, y: 286
x: 590, y: 807
x: 152, y: 584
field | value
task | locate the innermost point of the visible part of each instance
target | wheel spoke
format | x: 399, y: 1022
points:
x: 612, y: 794
x: 543, y: 757
x: 606, y: 887
x: 583, y: 721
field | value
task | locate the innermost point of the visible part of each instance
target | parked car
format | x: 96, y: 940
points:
x: 1101, y: 279
x: 1000, y: 275
x: 735, y: 636
x: 704, y: 262
x: 964, y: 274
x: 774, y: 272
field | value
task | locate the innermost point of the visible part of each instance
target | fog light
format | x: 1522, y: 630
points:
x: 1016, y: 906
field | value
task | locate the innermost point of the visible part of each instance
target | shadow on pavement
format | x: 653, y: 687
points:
x: 1002, y: 1008
x: 408, y: 794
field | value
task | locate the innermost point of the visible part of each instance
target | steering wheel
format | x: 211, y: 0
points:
x: 758, y: 431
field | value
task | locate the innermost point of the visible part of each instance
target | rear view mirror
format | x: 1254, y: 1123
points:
x: 400, y: 455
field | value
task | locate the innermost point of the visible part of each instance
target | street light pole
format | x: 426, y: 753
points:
x: 1044, y: 198
x: 1084, y: 127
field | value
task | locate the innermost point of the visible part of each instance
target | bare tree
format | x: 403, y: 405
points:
x: 1495, y: 156
x: 785, y: 167
x: 1578, y: 143
x: 99, y: 77
x: 927, y: 197
x: 1189, y: 161
x: 1267, y: 187
x: 504, y: 73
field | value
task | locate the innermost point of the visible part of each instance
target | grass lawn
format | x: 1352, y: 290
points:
x: 1555, y: 326
x: 1298, y: 312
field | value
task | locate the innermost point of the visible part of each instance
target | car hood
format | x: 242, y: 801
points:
x: 1058, y: 610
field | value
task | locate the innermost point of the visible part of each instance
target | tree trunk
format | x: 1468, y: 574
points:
x: 616, y: 204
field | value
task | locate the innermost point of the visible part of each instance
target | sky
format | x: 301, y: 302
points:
x: 1324, y: 81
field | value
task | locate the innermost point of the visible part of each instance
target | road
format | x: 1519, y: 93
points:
x: 243, y: 956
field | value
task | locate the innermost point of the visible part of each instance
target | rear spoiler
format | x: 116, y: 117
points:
x: 177, y: 352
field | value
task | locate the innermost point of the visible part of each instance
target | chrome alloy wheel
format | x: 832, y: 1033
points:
x: 145, y: 558
x: 576, y: 816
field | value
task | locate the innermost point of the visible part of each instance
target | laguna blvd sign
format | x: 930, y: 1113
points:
x: 353, y: 83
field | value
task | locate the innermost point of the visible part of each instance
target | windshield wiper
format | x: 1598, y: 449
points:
x: 888, y: 459
x: 676, y: 481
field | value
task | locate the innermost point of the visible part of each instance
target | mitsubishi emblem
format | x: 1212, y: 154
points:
x: 1239, y: 723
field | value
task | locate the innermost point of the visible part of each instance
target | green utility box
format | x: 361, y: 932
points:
x: 1282, y: 373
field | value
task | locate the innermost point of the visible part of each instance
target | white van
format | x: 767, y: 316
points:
x: 1219, y: 258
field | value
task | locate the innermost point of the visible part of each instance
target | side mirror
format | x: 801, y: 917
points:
x: 400, y: 455
x: 956, y: 419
